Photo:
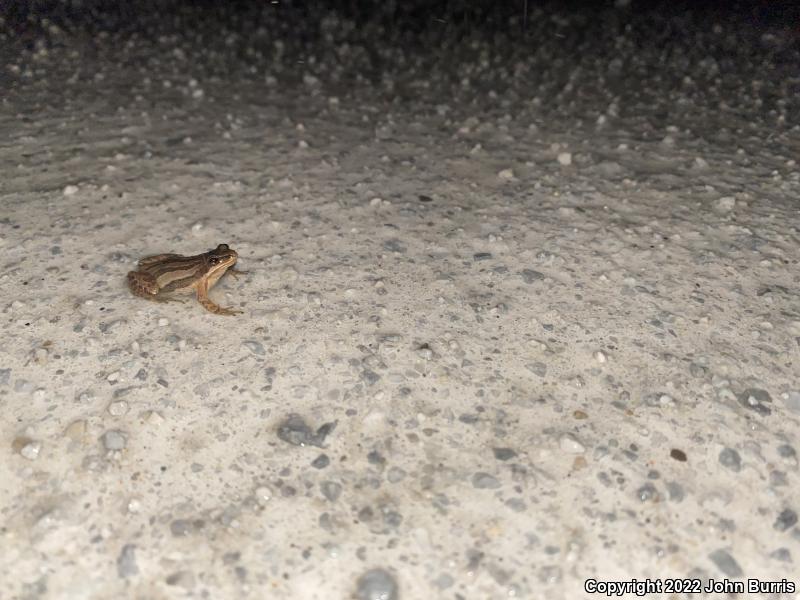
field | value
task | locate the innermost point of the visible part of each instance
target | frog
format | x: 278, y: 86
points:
x: 162, y: 275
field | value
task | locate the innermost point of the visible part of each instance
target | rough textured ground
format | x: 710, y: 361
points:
x: 520, y: 312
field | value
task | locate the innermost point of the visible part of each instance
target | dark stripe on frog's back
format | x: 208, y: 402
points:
x: 186, y: 270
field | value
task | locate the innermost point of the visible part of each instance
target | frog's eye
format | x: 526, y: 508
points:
x: 222, y: 247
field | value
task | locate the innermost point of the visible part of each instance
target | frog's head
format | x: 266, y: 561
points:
x: 221, y: 258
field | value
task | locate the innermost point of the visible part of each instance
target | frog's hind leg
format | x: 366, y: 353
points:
x: 144, y: 285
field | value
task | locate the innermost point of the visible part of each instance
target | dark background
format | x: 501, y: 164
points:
x: 406, y: 15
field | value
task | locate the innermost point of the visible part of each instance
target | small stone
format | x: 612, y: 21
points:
x: 31, y: 450
x: 126, y: 561
x: 114, y: 440
x: 263, y: 494
x: 118, y: 408
x: 786, y: 520
x: 725, y: 563
x: 570, y: 444
x: 254, y: 347
x: 370, y: 377
x: 484, y: 481
x: 479, y: 256
x: 506, y: 174
x: 530, y: 276
x: 331, y: 490
x: 181, y: 527
x: 756, y: 399
x: 162, y: 322
x: 782, y: 555
x: 579, y: 415
x: 537, y: 368
x: 294, y: 430
x: 504, y: 453
x: 184, y: 579
x: 321, y: 461
x: 564, y: 159
x: 678, y: 455
x: 376, y: 458
x: 666, y: 400
x: 70, y: 190
x: 600, y: 356
x: 730, y: 458
x: 648, y: 493
x: 395, y: 245
x: 725, y: 204
x: 425, y: 352
x: 153, y: 417
x: 675, y: 491
x: 444, y: 581
x: 792, y: 401
x: 516, y: 504
x: 376, y: 584
x: 76, y: 431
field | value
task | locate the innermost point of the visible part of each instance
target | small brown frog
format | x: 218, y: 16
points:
x: 163, y: 274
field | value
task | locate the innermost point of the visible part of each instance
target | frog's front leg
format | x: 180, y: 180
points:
x: 145, y: 286
x: 236, y: 272
x: 210, y: 305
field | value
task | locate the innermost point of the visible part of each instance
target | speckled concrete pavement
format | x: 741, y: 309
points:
x: 515, y: 317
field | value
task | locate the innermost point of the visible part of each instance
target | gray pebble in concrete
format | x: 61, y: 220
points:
x: 377, y: 584
x: 504, y: 453
x: 781, y: 554
x: 184, y: 579
x: 537, y: 368
x: 792, y: 401
x: 126, y: 562
x: 370, y: 377
x: 756, y: 399
x: 531, y: 276
x: 331, y: 490
x: 647, y: 493
x: 181, y: 527
x: 726, y: 563
x: 675, y: 491
x: 254, y: 347
x: 484, y: 481
x: 321, y: 461
x: 394, y: 245
x: 294, y: 430
x: 730, y: 459
x: 786, y: 520
x: 395, y: 474
x: 114, y: 440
